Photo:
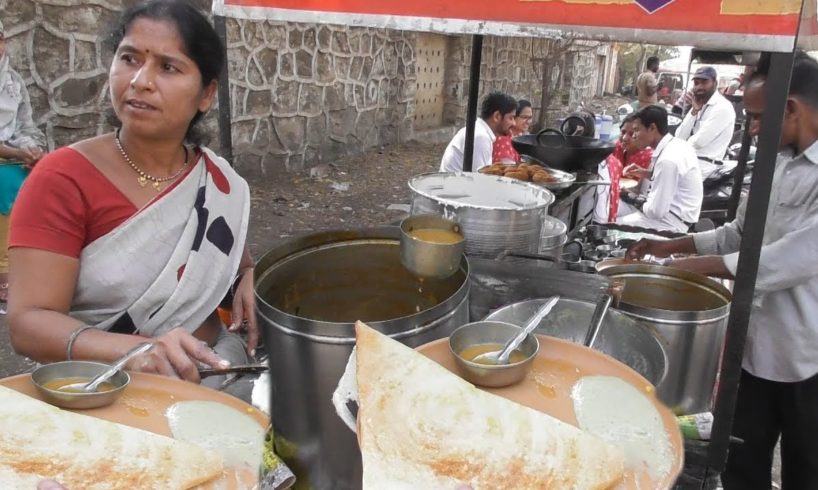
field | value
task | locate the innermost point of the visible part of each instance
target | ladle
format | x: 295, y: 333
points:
x: 597, y: 318
x: 501, y: 357
x: 611, y: 296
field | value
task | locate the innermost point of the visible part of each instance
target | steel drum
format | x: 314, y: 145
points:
x: 630, y: 342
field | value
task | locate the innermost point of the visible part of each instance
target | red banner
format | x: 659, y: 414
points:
x: 748, y: 24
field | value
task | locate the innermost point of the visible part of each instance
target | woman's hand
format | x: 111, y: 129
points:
x: 244, y: 309
x: 175, y: 354
x: 634, y: 171
x: 30, y: 156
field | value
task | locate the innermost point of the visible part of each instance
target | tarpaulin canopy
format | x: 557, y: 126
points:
x: 757, y: 25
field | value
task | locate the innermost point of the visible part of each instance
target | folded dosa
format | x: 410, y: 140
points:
x: 40, y: 441
x: 420, y: 426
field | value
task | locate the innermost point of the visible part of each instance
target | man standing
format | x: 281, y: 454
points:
x: 496, y: 118
x: 647, y: 85
x: 708, y: 127
x: 671, y: 195
x: 778, y: 391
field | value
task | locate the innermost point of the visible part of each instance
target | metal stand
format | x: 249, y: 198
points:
x: 225, y: 130
x: 474, y: 92
x: 738, y: 175
x: 777, y: 88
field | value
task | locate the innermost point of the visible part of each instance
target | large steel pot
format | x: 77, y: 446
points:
x: 496, y: 214
x: 628, y: 341
x: 310, y: 292
x: 689, y: 311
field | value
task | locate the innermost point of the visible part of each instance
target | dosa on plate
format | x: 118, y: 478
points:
x: 39, y: 441
x: 420, y: 426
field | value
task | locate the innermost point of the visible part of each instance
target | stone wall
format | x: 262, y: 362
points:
x: 301, y: 94
x: 511, y: 65
x: 306, y: 94
x: 58, y: 48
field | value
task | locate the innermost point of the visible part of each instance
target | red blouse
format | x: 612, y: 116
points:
x: 503, y: 151
x: 617, y: 161
x: 67, y: 203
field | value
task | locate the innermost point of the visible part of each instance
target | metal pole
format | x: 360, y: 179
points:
x: 225, y: 130
x: 738, y: 176
x: 474, y: 92
x: 776, y: 90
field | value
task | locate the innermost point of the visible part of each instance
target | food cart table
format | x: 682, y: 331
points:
x: 497, y: 283
x: 742, y: 27
x: 574, y: 206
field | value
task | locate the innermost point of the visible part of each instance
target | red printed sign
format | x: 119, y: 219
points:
x: 738, y: 24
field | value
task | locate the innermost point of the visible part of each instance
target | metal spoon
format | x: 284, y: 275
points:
x: 501, y: 357
x: 91, y: 386
x: 597, y: 317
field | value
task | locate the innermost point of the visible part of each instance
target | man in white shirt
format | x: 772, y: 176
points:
x: 671, y: 193
x: 778, y: 391
x: 709, y: 125
x: 497, y: 115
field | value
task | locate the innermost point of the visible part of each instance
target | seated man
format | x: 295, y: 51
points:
x: 504, y: 151
x: 497, y: 115
x: 709, y: 125
x: 670, y: 196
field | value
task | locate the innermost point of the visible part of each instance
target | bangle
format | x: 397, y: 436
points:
x: 76, y: 333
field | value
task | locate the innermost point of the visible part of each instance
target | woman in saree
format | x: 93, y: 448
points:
x: 138, y: 235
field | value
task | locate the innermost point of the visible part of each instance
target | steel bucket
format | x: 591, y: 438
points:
x: 689, y: 311
x: 309, y: 293
x: 553, y: 237
x: 496, y: 214
x: 628, y: 341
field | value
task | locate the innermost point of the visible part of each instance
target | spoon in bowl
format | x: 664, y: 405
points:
x: 501, y: 357
x: 91, y: 386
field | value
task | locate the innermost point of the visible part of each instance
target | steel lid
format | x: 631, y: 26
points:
x: 480, y: 191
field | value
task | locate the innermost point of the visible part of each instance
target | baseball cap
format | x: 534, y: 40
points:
x: 706, y: 72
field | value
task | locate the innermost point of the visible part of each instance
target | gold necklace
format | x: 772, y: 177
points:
x: 144, y: 177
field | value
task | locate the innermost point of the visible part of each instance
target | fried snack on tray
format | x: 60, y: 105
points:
x: 543, y: 177
x: 525, y: 172
x: 494, y: 169
x: 518, y: 174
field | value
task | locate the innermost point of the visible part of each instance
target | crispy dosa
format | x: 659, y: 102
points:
x: 420, y: 426
x: 40, y: 441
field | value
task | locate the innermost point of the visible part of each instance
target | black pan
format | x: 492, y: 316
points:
x: 566, y: 153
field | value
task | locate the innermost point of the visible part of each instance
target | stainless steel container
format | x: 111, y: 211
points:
x: 430, y: 259
x: 689, y: 311
x: 310, y: 292
x: 496, y: 213
x: 553, y: 237
x: 628, y: 341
